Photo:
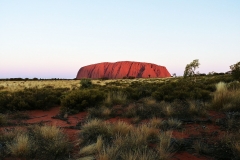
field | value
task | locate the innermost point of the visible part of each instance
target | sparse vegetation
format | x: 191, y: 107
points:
x: 30, y: 99
x: 37, y: 142
x: 123, y: 141
x: 126, y: 118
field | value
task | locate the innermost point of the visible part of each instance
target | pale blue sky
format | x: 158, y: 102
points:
x: 54, y: 38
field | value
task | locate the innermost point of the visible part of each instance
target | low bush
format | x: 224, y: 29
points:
x: 143, y: 111
x: 79, y: 100
x: 85, y: 83
x: 30, y: 99
x: 100, y: 112
x: 182, y: 90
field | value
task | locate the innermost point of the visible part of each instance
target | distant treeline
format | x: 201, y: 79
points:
x: 33, y: 79
x: 104, y: 78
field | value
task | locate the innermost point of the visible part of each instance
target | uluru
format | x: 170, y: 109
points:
x: 123, y: 69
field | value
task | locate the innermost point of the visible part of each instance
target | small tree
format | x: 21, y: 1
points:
x: 235, y: 70
x: 190, y: 69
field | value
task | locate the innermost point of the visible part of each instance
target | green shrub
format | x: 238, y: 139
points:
x: 85, y: 83
x: 30, y: 99
x: 236, y: 70
x: 79, y: 100
x: 143, y: 111
x: 100, y: 112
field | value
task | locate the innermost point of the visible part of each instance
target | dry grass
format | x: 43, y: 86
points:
x: 41, y: 142
x: 149, y: 101
x: 164, y: 147
x: 171, y: 124
x: 116, y: 97
x: 20, y: 85
x: 92, y: 148
x: 126, y: 141
x: 224, y: 99
x: 51, y: 141
x: 139, y: 155
x: 122, y: 128
x: 106, y: 112
x: 130, y: 111
x: 94, y: 128
x: 21, y: 146
x: 167, y: 109
x: 102, y: 112
x: 71, y: 84
x: 221, y: 96
x: 47, y: 132
x: 155, y: 122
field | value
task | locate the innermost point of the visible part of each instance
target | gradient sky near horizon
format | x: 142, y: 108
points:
x: 54, y: 38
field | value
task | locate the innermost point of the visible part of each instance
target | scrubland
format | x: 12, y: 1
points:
x: 126, y: 119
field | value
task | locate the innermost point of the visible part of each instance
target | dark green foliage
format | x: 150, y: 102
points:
x: 137, y: 90
x: 235, y: 85
x: 30, y: 99
x: 146, y: 111
x: 79, y: 100
x: 190, y: 68
x: 86, y: 83
x: 182, y: 90
x: 236, y: 71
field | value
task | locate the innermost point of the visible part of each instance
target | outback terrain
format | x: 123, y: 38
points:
x: 193, y: 118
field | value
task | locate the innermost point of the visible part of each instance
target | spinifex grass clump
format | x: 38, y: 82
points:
x: 100, y: 112
x: 21, y: 146
x: 226, y: 99
x: 116, y: 98
x: 51, y: 141
x: 37, y: 142
x: 176, y: 109
x: 106, y: 141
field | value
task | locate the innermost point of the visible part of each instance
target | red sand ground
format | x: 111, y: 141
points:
x: 39, y: 116
x: 196, y: 130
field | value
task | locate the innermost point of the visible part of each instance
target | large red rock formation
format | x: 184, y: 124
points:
x: 122, y: 69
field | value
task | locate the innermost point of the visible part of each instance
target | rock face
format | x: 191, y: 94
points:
x: 123, y: 69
